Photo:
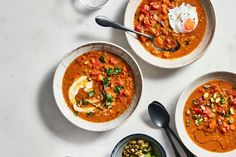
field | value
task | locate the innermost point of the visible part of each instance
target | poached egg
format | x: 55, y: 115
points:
x: 183, y: 19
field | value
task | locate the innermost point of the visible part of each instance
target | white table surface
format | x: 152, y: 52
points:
x: 34, y: 36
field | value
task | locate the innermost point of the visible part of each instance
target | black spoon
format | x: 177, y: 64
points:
x: 106, y: 22
x: 161, y: 118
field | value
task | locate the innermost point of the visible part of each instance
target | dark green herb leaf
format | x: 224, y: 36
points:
x: 85, y: 102
x: 109, y: 71
x: 90, y: 114
x: 117, y: 89
x: 107, y: 104
x: 106, y: 81
x: 234, y: 87
x: 109, y: 100
x: 102, y: 59
x: 91, y: 93
x: 76, y: 113
x: 102, y: 95
x: 117, y: 70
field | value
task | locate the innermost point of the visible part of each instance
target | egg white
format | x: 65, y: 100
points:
x: 178, y: 15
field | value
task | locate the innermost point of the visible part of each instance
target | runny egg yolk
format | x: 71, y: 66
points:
x: 189, y: 25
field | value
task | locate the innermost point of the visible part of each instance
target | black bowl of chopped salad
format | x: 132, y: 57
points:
x: 138, y: 145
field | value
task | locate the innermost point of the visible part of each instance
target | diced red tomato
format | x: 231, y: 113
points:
x: 121, y: 92
x: 138, y: 27
x: 197, y: 110
x: 113, y: 61
x: 200, y: 101
x: 233, y: 93
x: 144, y: 9
x: 207, y: 111
x: 154, y: 6
x: 234, y: 102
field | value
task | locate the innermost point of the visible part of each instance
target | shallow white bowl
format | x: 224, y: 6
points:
x: 179, y: 120
x: 66, y: 61
x: 171, y: 63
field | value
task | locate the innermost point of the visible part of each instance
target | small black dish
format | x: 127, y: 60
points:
x: 157, y: 147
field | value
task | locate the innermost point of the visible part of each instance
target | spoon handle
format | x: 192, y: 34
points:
x: 106, y: 22
x: 172, y: 143
x: 186, y: 150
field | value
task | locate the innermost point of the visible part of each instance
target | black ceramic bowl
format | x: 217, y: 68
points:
x: 157, y: 148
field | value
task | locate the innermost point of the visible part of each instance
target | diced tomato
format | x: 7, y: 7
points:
x: 233, y: 93
x: 234, y: 102
x: 113, y: 61
x: 121, y: 92
x: 207, y: 111
x: 154, y: 6
x: 200, y: 101
x: 138, y: 27
x: 95, y: 73
x: 197, y: 110
x: 144, y: 9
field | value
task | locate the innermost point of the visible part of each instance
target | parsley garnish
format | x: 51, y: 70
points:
x: 109, y: 71
x: 106, y: 81
x: 117, y: 70
x: 109, y: 100
x: 85, y: 102
x: 117, y: 89
x: 90, y: 114
x: 91, y: 93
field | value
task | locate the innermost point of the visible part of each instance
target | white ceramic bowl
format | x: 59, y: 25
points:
x: 171, y: 63
x: 179, y: 121
x: 59, y: 74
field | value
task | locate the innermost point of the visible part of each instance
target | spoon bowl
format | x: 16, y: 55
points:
x: 161, y: 118
x: 159, y: 115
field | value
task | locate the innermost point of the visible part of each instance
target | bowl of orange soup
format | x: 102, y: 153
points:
x: 205, y: 115
x: 97, y: 86
x: 186, y: 24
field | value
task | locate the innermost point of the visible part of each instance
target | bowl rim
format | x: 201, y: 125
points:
x: 136, y: 135
x: 168, y: 64
x: 181, y: 130
x: 60, y: 105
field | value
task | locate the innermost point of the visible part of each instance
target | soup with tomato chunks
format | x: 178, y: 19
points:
x: 210, y: 114
x: 98, y: 86
x: 171, y: 21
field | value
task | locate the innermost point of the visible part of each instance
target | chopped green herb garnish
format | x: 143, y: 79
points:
x: 102, y: 95
x: 107, y: 104
x: 102, y: 59
x: 91, y: 93
x: 90, y: 114
x: 234, y: 87
x: 109, y: 71
x: 117, y: 70
x: 117, y: 89
x: 106, y: 81
x: 85, y: 102
x: 109, y: 100
x: 76, y: 113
